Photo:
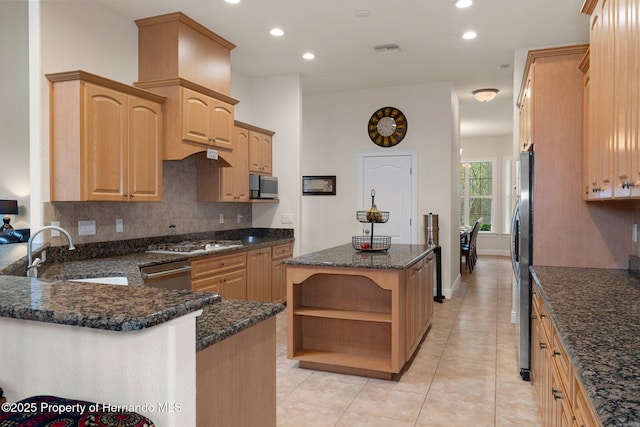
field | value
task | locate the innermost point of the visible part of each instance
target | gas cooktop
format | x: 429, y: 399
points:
x: 193, y: 247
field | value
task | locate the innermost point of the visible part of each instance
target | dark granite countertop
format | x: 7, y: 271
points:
x: 110, y: 307
x: 397, y: 257
x: 125, y: 308
x: 596, y: 313
x: 228, y: 317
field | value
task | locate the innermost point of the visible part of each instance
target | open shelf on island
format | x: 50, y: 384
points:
x: 331, y: 313
x: 343, y: 359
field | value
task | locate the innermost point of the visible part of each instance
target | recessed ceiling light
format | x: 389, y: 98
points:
x: 363, y: 13
x: 469, y: 35
x: 232, y: 1
x: 308, y: 56
x: 277, y: 32
x: 461, y: 4
x: 503, y: 66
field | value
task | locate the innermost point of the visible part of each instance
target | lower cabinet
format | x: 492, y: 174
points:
x: 278, y: 272
x: 224, y: 274
x: 419, y: 302
x: 561, y: 398
x: 259, y: 275
x: 255, y: 275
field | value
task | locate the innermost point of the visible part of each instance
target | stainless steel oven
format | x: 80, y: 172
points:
x: 172, y: 275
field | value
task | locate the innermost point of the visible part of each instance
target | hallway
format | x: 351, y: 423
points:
x: 464, y: 374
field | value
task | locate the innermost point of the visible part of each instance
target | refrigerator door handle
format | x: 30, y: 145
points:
x: 515, y: 240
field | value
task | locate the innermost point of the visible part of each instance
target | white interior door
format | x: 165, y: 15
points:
x: 391, y: 176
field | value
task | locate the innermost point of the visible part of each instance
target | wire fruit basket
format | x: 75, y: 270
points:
x: 371, y: 243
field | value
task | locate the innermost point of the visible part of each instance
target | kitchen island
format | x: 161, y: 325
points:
x: 594, y: 314
x: 361, y: 313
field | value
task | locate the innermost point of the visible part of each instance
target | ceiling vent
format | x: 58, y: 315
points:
x: 387, y: 48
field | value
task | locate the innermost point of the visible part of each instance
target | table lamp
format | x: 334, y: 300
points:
x: 8, y: 207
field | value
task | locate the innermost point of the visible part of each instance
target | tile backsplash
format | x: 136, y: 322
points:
x: 148, y: 219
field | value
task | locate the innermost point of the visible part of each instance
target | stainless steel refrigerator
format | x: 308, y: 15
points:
x: 521, y: 256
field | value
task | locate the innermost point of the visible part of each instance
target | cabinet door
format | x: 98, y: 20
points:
x: 623, y: 100
x: 259, y: 275
x: 196, y: 117
x: 145, y: 150
x: 241, y: 164
x: 105, y: 141
x: 260, y: 152
x: 234, y: 285
x: 221, y: 124
x: 278, y: 282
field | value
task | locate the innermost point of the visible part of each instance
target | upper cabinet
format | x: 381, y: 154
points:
x: 190, y: 66
x: 175, y: 46
x: 105, y: 140
x: 260, y: 151
x: 612, y: 110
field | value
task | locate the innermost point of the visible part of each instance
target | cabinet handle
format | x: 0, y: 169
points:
x: 556, y: 353
x: 542, y: 316
x: 557, y: 394
x: 543, y: 345
x: 534, y: 317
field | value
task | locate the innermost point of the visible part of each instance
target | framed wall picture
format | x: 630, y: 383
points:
x: 319, y: 185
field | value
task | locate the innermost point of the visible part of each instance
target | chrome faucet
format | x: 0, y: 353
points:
x: 32, y: 267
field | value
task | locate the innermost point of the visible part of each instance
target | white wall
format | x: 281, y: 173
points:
x: 499, y: 148
x: 14, y: 111
x: 335, y: 130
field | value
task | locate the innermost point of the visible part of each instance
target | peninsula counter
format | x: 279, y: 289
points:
x: 361, y: 313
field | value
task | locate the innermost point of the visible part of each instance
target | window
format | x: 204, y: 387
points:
x: 477, y: 189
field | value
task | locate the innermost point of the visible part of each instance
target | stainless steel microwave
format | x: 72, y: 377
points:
x: 263, y: 187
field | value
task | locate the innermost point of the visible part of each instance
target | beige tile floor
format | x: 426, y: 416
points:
x: 464, y: 374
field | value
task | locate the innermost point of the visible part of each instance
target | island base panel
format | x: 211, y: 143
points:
x: 236, y: 379
x: 349, y: 370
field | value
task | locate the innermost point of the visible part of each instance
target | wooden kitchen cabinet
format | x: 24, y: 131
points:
x: 224, y: 274
x: 106, y: 140
x: 613, y: 121
x: 174, y: 46
x: 260, y: 151
x: 206, y: 120
x: 278, y: 272
x: 196, y: 118
x: 560, y: 394
x: 259, y: 275
x: 419, y: 303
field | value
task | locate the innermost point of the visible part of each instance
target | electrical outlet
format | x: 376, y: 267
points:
x: 86, y: 228
x: 286, y: 219
x: 238, y: 218
x: 221, y: 218
x: 119, y: 225
x: 55, y: 233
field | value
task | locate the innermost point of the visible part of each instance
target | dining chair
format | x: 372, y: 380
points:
x: 468, y: 250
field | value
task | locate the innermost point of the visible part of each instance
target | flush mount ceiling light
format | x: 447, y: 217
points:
x: 461, y: 4
x: 469, y: 35
x: 277, y: 32
x: 308, y: 56
x: 485, y: 95
x: 232, y: 1
x: 363, y: 13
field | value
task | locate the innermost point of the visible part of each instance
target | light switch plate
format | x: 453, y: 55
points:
x: 212, y: 154
x: 221, y: 218
x: 286, y: 219
x: 86, y: 228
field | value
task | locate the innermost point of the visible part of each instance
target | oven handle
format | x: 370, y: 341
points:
x: 166, y: 272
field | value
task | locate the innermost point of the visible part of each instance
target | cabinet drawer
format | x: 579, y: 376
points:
x: 562, y: 362
x: 214, y: 265
x: 282, y: 251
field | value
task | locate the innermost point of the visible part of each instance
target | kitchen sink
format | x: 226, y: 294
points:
x: 116, y: 280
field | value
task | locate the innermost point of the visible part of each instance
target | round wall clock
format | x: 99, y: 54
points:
x: 387, y: 127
